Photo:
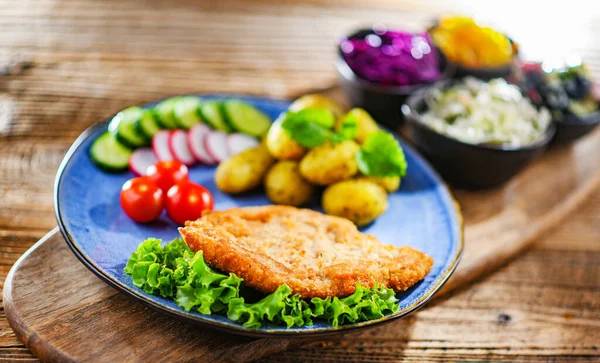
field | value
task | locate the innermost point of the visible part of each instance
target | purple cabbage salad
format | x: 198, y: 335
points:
x: 392, y: 57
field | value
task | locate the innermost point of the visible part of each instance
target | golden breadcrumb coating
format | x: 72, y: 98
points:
x: 316, y: 255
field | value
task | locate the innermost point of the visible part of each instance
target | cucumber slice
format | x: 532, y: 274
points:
x: 124, y: 127
x: 148, y: 124
x: 210, y: 112
x: 186, y: 112
x: 246, y: 118
x: 166, y: 116
x: 109, y: 154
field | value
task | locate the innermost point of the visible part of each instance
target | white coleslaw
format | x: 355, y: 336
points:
x: 493, y: 112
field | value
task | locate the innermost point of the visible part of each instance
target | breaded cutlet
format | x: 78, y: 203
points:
x: 316, y: 255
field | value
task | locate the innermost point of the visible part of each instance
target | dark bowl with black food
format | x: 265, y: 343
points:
x: 380, y: 68
x: 473, y: 50
x: 469, y: 153
x: 564, y: 87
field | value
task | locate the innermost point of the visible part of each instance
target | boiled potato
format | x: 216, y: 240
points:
x: 281, y: 145
x: 359, y: 200
x: 285, y: 185
x: 330, y: 163
x: 243, y: 171
x: 366, y: 125
x: 389, y: 183
x: 317, y: 101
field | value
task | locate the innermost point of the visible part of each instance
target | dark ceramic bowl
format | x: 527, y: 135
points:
x: 466, y: 165
x: 485, y: 74
x: 381, y: 101
x: 571, y: 127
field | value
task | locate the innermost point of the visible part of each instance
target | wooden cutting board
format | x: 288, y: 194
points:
x: 62, y: 312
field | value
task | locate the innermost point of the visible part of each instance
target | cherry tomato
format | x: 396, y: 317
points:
x: 167, y: 173
x: 186, y: 201
x: 141, y: 199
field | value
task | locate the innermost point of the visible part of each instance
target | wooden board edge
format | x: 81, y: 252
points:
x: 544, y: 225
x: 39, y: 347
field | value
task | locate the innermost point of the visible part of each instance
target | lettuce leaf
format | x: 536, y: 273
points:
x: 175, y: 271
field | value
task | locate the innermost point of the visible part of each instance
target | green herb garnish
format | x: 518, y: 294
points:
x: 381, y: 156
x: 312, y: 127
x: 347, y: 130
x: 175, y: 271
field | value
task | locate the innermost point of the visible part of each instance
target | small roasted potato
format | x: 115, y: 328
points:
x: 366, y: 125
x: 243, y: 171
x: 330, y: 162
x: 280, y: 144
x: 317, y: 101
x: 389, y: 183
x: 285, y: 185
x: 358, y: 200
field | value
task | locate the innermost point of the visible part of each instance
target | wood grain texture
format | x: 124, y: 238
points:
x: 67, y: 64
x: 73, y: 305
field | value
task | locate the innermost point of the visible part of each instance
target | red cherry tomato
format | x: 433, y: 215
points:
x: 141, y: 199
x: 186, y: 201
x: 167, y: 173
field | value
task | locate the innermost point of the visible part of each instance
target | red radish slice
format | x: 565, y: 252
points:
x: 160, y: 146
x: 179, y: 147
x: 195, y: 141
x: 215, y: 145
x: 140, y: 160
x: 236, y: 143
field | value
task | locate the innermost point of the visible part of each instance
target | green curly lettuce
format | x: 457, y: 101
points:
x: 175, y: 271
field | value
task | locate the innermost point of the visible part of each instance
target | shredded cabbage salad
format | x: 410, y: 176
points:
x: 176, y: 272
x: 477, y: 112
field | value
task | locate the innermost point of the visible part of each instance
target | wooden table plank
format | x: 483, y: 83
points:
x: 80, y: 61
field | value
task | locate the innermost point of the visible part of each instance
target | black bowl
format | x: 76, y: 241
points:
x: 571, y: 127
x: 467, y: 165
x: 381, y: 101
x: 485, y: 74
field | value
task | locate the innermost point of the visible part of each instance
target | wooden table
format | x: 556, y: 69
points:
x: 67, y: 64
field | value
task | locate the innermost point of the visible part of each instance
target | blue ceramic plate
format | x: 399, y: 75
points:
x: 422, y: 214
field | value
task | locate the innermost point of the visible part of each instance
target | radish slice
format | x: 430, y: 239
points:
x: 179, y: 147
x: 215, y: 145
x: 140, y: 160
x: 160, y: 146
x: 195, y: 141
x: 236, y: 143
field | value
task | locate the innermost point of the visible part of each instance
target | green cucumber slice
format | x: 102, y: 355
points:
x: 246, y: 118
x: 109, y: 154
x: 166, y: 116
x: 124, y: 127
x: 148, y: 124
x: 186, y: 112
x: 210, y: 112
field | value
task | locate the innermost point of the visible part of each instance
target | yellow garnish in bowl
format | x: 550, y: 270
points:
x: 465, y: 42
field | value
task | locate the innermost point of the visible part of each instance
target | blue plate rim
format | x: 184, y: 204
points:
x: 241, y: 330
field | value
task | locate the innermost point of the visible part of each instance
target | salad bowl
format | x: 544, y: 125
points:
x: 572, y: 127
x: 381, y: 101
x: 465, y: 165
